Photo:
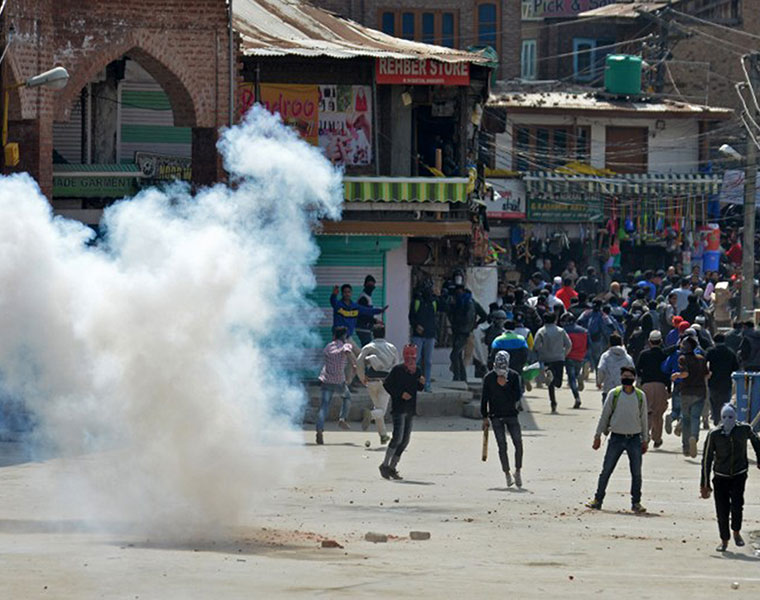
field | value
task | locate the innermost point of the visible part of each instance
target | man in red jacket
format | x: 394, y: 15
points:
x: 574, y: 361
x: 566, y: 293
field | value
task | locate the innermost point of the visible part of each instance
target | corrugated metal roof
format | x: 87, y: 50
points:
x: 624, y: 10
x: 592, y: 102
x: 293, y: 27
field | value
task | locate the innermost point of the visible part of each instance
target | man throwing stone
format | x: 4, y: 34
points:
x: 624, y: 417
x: 373, y: 365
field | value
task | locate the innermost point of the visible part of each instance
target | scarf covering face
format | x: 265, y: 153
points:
x: 501, y: 363
x: 728, y: 418
x: 410, y: 357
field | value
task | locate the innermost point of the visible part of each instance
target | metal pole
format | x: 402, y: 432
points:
x: 232, y: 68
x: 748, y: 241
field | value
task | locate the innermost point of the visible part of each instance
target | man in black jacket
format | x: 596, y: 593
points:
x: 722, y: 362
x: 725, y: 455
x: 749, y: 351
x: 655, y: 384
x: 734, y: 337
x: 402, y: 383
x: 423, y: 319
x: 500, y: 402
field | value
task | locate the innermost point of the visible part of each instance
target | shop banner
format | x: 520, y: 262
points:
x: 298, y: 105
x: 551, y: 9
x: 345, y: 123
x: 565, y: 208
x: 732, y: 188
x: 507, y: 200
x: 402, y: 71
x: 165, y: 168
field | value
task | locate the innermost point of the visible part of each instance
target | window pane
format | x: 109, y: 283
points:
x: 487, y: 24
x: 528, y: 59
x: 428, y: 28
x: 447, y: 30
x: 389, y: 23
x: 407, y: 26
x: 583, y: 59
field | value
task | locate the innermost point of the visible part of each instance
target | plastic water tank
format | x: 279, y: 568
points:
x: 622, y: 75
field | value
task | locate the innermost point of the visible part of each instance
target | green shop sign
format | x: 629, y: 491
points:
x: 95, y: 181
x: 567, y: 207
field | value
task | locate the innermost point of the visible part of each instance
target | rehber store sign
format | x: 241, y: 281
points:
x: 421, y: 72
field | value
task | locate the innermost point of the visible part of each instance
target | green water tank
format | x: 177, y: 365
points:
x: 622, y: 75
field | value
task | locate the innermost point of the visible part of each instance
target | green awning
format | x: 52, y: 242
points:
x: 405, y: 189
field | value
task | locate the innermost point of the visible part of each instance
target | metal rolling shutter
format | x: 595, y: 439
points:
x: 67, y: 136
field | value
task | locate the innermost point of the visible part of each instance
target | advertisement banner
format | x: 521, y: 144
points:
x: 732, y: 188
x: 298, y: 105
x: 165, y: 168
x: 403, y: 71
x: 345, y: 123
x: 507, y: 200
x: 552, y: 9
x: 565, y: 207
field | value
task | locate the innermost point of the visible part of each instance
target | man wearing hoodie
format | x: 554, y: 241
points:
x: 749, y: 350
x: 552, y: 345
x: 608, y: 369
x: 373, y: 365
x: 500, y: 402
x: 725, y: 455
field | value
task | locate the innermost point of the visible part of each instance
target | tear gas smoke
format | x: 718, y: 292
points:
x: 170, y: 345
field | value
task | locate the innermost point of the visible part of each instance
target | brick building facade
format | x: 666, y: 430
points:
x: 451, y: 23
x: 183, y: 44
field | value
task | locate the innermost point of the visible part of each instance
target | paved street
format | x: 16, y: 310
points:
x: 486, y: 540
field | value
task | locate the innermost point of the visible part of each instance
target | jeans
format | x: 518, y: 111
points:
x: 365, y: 336
x: 425, y: 348
x: 691, y: 407
x: 458, y: 343
x: 402, y: 431
x: 328, y: 389
x: 380, y: 399
x: 573, y: 368
x: 617, y: 444
x: 729, y: 500
x: 675, y: 404
x: 556, y: 367
x: 718, y: 397
x: 511, y: 424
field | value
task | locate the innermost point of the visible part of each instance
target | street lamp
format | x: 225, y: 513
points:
x: 55, y: 79
x: 748, y: 240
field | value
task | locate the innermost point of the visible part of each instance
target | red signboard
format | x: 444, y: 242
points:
x: 421, y: 72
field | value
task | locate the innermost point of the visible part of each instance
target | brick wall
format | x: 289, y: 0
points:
x: 184, y: 44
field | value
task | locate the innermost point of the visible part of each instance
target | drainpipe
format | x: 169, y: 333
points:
x: 232, y: 68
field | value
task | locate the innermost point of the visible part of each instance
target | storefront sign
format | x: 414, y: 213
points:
x: 84, y: 185
x: 164, y: 168
x: 564, y: 207
x: 401, y: 71
x: 551, y: 9
x: 507, y: 200
x: 732, y: 188
x: 298, y: 105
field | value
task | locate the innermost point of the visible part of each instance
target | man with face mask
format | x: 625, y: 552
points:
x: 692, y: 374
x: 364, y: 322
x: 624, y: 417
x: 402, y: 383
x: 725, y: 454
x: 500, y: 402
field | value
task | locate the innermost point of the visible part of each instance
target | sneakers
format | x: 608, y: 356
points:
x: 638, y: 509
x: 677, y: 428
x: 343, y: 425
x: 384, y: 439
x: 738, y: 540
x: 577, y: 403
x: 581, y: 385
x: 554, y: 408
x: 518, y: 478
x: 320, y: 439
x: 668, y: 424
x: 366, y: 418
x: 510, y: 481
x: 693, y: 447
x: 658, y: 443
x: 385, y: 471
x: 394, y: 474
x: 594, y: 504
x: 722, y: 546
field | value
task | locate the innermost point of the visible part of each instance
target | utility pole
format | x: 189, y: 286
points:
x: 750, y: 192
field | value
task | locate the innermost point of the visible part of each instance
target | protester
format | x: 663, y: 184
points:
x: 570, y: 272
x: 599, y: 327
x: 692, y: 310
x: 402, y: 383
x: 682, y: 295
x: 692, y: 374
x: 608, y: 369
x: 346, y: 312
x: 373, y: 365
x: 589, y: 284
x: 654, y: 383
x: 624, y: 418
x: 423, y: 312
x: 721, y: 362
x: 574, y: 361
x: 333, y: 379
x: 734, y: 337
x: 364, y: 322
x: 566, y: 293
x: 552, y: 345
x: 749, y: 350
x: 500, y: 402
x: 725, y: 456
x: 514, y: 343
x: 463, y: 316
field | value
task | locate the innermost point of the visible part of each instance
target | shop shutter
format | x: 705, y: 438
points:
x: 67, y: 136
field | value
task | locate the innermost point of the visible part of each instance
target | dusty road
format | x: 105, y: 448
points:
x: 486, y: 540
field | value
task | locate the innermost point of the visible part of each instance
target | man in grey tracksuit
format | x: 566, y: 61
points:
x: 608, y: 369
x: 552, y: 345
x: 373, y: 364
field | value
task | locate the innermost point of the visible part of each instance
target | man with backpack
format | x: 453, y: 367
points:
x: 463, y: 316
x: 624, y: 418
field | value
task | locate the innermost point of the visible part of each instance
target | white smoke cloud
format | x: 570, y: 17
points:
x: 169, y: 347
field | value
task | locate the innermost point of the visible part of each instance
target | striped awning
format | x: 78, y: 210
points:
x: 647, y: 184
x: 405, y: 189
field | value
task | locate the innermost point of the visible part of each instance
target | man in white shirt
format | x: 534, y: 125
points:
x: 373, y: 364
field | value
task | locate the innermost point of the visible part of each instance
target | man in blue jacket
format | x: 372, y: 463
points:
x: 346, y: 311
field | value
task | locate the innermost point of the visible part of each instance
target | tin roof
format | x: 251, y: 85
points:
x: 624, y: 10
x: 590, y: 102
x: 294, y: 27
